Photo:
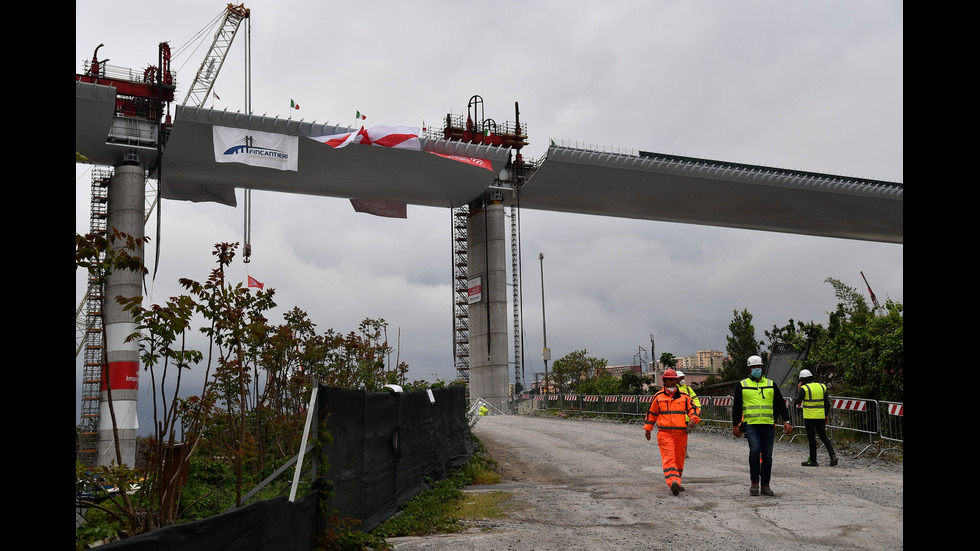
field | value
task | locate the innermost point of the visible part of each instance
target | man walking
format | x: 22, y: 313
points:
x: 816, y: 413
x: 754, y: 412
x: 672, y: 412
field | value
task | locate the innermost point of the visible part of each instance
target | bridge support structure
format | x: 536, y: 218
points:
x: 120, y: 372
x: 488, y: 317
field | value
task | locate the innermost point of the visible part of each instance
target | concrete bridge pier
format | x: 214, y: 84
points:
x: 487, y: 269
x: 126, y: 204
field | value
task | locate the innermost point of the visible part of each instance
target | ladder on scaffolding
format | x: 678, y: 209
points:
x: 93, y: 334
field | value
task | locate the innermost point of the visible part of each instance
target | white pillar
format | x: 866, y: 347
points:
x: 127, y: 190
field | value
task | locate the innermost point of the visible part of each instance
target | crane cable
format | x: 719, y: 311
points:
x: 247, y: 206
x: 197, y: 40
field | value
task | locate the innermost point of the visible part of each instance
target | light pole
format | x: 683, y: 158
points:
x: 653, y: 358
x: 545, y: 353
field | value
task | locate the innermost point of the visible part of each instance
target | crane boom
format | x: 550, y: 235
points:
x: 203, y: 82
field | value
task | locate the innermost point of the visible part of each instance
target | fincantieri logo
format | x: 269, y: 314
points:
x: 249, y: 148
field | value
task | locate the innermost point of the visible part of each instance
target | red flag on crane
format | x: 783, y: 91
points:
x: 252, y: 282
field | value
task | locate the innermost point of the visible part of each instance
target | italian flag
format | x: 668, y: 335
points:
x: 396, y: 137
x: 293, y: 104
x: 360, y: 116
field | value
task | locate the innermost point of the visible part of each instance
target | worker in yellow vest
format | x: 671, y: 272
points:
x: 754, y: 411
x: 816, y: 414
x: 683, y: 387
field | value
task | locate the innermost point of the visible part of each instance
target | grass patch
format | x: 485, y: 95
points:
x: 482, y: 505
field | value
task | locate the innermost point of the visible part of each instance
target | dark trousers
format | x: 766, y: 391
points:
x: 760, y: 439
x: 814, y: 428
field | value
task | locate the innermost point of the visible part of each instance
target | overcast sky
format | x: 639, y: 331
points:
x: 798, y: 85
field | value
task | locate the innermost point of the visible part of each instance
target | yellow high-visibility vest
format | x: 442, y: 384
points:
x: 686, y: 389
x: 813, y: 394
x: 757, y: 399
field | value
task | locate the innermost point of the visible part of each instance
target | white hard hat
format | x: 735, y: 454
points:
x: 680, y: 374
x: 805, y: 374
x: 755, y: 360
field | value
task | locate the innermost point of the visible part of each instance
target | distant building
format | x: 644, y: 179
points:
x: 618, y: 370
x: 710, y: 360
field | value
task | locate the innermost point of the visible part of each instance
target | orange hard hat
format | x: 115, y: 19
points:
x: 670, y: 374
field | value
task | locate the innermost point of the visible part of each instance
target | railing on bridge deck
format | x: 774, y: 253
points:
x: 880, y: 421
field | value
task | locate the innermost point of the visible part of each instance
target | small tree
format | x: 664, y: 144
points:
x: 741, y: 344
x: 237, y: 330
x: 101, y: 256
x: 867, y: 345
x: 603, y: 385
x: 632, y: 383
x: 575, y: 368
x: 162, y: 337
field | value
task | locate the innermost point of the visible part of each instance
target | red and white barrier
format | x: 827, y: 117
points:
x: 851, y: 405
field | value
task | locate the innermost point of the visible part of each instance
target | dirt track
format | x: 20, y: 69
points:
x: 590, y: 485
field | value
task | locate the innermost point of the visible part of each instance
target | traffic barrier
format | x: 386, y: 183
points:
x: 716, y: 413
x: 854, y: 415
x: 881, y: 421
x: 891, y: 421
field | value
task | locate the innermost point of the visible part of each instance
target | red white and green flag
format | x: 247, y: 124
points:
x: 395, y: 137
x: 293, y: 104
x: 360, y: 116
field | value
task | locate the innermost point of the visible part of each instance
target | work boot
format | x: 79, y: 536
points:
x: 812, y: 463
x: 833, y: 460
x: 675, y: 488
x: 754, y: 490
x: 680, y: 487
x: 767, y: 491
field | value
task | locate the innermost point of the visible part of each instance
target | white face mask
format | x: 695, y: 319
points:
x: 670, y: 389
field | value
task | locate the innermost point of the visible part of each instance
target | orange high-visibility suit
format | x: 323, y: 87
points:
x: 667, y: 412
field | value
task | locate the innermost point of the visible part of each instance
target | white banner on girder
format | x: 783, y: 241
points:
x: 254, y: 148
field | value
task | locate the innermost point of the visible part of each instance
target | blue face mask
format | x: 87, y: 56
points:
x: 756, y: 372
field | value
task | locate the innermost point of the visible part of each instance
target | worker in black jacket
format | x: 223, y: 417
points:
x: 757, y: 405
x: 815, y: 400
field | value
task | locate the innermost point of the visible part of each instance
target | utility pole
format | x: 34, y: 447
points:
x: 653, y: 357
x: 546, y: 353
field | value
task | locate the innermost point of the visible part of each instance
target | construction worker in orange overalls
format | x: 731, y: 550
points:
x: 672, y: 412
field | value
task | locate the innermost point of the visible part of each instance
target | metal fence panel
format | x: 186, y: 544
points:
x: 878, y: 420
x: 891, y: 422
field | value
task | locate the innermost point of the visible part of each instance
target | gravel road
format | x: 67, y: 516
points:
x: 592, y: 485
